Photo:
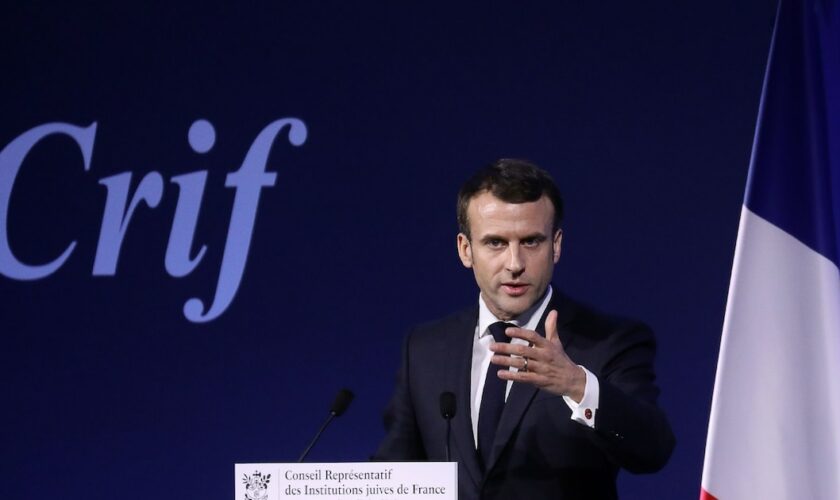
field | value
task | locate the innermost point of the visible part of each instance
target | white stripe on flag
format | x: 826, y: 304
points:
x: 774, y: 431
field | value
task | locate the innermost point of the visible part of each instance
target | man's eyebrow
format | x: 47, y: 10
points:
x: 492, y: 237
x: 535, y: 236
x: 495, y: 237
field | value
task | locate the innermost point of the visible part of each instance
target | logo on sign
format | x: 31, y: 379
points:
x: 256, y: 486
x: 121, y: 203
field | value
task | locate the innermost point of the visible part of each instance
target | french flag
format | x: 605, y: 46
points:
x: 774, y: 431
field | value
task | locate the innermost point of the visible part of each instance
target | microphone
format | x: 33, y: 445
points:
x: 339, y: 406
x: 447, y: 411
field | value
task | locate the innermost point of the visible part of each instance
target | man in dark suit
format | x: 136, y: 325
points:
x: 553, y: 398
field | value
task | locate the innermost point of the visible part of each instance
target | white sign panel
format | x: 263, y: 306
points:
x: 348, y: 481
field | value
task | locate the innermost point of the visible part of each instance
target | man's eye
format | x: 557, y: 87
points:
x: 531, y: 242
x: 495, y: 243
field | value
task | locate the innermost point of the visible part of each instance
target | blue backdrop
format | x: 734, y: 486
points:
x: 643, y: 113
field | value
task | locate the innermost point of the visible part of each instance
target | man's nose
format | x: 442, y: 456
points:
x: 515, y: 262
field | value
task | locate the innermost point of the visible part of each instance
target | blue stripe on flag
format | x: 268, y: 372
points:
x: 794, y: 179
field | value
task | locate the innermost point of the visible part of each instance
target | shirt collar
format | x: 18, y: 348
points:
x: 528, y: 319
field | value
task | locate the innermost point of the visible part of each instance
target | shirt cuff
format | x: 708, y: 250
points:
x: 584, y: 412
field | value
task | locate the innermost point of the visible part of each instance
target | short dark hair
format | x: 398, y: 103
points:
x: 512, y: 181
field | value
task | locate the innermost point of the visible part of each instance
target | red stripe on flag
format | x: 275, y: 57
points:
x: 705, y: 495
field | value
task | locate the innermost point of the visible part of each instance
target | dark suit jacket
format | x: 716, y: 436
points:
x: 539, y: 452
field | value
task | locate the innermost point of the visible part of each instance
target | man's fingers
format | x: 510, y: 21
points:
x: 529, y: 335
x: 515, y: 349
x: 518, y: 363
x: 511, y: 361
x: 527, y: 377
x: 551, y: 326
x: 520, y: 350
x: 543, y: 363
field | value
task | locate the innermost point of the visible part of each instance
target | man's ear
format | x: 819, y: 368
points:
x: 556, y: 244
x: 465, y: 250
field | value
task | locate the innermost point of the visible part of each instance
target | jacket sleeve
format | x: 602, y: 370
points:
x: 630, y: 428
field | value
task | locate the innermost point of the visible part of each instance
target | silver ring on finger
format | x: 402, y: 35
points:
x: 525, y: 368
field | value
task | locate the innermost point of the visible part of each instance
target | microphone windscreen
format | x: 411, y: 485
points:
x: 447, y: 405
x: 342, y: 401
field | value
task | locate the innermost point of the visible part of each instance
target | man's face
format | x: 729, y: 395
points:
x: 512, y: 251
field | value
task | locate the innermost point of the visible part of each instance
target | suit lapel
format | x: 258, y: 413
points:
x: 521, y: 394
x: 460, y: 377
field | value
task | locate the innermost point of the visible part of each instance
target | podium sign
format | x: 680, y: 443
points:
x: 348, y: 481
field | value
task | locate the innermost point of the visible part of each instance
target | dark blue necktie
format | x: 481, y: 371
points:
x: 492, y: 399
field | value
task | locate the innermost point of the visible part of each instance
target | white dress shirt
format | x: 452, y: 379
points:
x: 482, y: 354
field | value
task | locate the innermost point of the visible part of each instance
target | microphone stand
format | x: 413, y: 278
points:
x: 315, y: 439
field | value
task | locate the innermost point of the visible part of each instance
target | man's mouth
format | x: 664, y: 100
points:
x: 515, y: 289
